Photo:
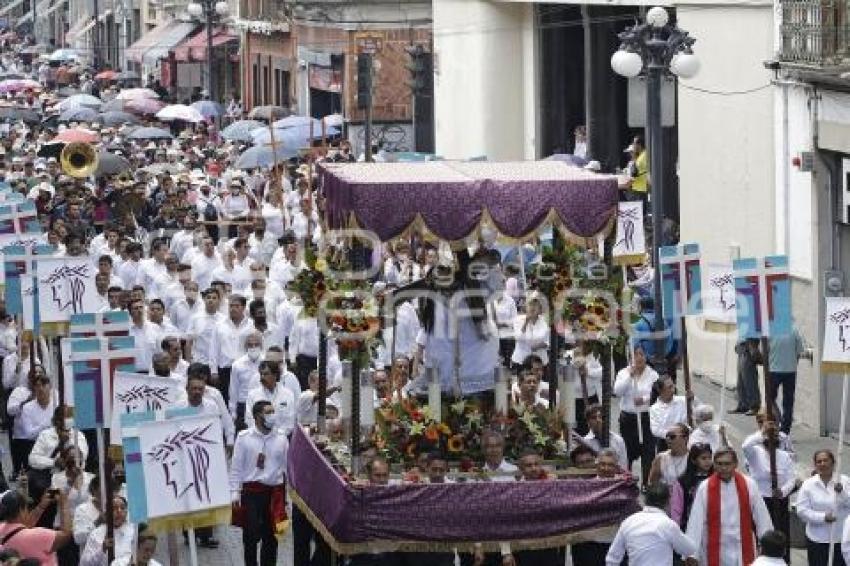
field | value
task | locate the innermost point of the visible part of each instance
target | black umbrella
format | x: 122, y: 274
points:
x: 14, y: 114
x: 109, y: 164
x: 117, y: 118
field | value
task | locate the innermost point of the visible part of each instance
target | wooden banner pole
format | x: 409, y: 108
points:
x: 193, y: 547
x: 836, y: 475
x: 769, y: 416
x: 686, y: 370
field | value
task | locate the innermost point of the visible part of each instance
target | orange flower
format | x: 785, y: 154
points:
x: 431, y: 433
x: 455, y: 443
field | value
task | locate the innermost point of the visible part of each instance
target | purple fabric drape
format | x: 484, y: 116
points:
x: 459, y: 512
x: 385, y: 198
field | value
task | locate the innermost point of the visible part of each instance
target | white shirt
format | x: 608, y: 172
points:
x: 504, y: 472
x: 202, y: 332
x: 281, y: 398
x: 765, y: 561
x: 505, y: 314
x: 304, y: 339
x: 649, y: 537
x: 244, y: 376
x: 406, y: 329
x: 730, y: 527
x: 85, y: 517
x: 533, y: 334
x: 146, y: 343
x: 35, y: 418
x: 815, y: 499
x: 181, y: 312
x: 93, y: 554
x: 8, y: 339
x: 249, y: 445
x: 784, y: 442
x: 150, y: 273
x: 202, y: 269
x: 11, y: 377
x: 44, y: 451
x: 628, y: 389
x: 615, y: 442
x: 229, y: 341
x: 593, y: 379
x: 663, y: 416
x: 709, y: 434
x: 239, y: 277
x: 281, y: 271
x: 211, y: 408
x: 758, y: 462
x: 128, y: 272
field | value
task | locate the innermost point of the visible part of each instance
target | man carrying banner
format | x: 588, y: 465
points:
x: 727, y: 509
x: 257, y: 485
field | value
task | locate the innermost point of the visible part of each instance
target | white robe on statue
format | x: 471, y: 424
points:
x: 730, y: 521
x: 478, y: 357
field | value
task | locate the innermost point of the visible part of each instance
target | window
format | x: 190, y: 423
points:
x: 255, y: 83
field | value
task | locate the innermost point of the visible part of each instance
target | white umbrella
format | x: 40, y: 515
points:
x: 180, y: 112
x: 132, y: 93
x: 335, y: 120
x: 80, y: 101
x: 64, y: 55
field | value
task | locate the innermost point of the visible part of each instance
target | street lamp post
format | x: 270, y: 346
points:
x: 657, y: 48
x: 210, y: 10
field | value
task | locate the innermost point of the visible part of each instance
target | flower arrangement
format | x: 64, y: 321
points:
x: 405, y: 431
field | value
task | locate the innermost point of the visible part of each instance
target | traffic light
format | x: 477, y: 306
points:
x: 421, y: 71
x: 364, y: 80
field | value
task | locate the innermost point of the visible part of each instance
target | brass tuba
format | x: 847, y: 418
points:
x: 78, y: 159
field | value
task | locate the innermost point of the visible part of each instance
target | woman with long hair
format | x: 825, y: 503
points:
x: 700, y: 466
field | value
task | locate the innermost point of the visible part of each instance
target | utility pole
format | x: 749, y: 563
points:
x: 364, y: 97
x: 95, y: 37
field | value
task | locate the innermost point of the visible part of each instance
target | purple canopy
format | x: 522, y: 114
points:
x: 438, y: 517
x: 451, y: 198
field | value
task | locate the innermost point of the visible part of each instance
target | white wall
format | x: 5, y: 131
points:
x: 726, y: 151
x: 484, y: 85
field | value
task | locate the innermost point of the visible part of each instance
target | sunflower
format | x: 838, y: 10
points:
x: 455, y: 444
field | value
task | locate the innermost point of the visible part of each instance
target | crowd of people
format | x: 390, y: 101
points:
x: 202, y: 256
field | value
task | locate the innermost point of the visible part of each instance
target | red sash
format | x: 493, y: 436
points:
x: 714, y: 514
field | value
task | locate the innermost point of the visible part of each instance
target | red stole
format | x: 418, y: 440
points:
x: 714, y: 514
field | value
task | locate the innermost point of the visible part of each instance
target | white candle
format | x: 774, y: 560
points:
x: 367, y: 399
x: 566, y: 392
x: 503, y: 378
x: 346, y: 408
x: 434, y: 391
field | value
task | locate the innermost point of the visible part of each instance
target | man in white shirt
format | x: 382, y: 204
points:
x: 152, y: 269
x: 129, y: 270
x: 201, y: 332
x: 772, y: 545
x: 245, y: 376
x: 731, y: 548
x: 146, y: 335
x: 667, y: 411
x: 257, y: 483
x: 196, y: 386
x: 650, y: 537
x: 285, y: 265
x: 229, y: 342
x: 495, y: 465
x: 204, y: 263
x: 596, y: 424
x: 271, y: 389
x: 182, y: 309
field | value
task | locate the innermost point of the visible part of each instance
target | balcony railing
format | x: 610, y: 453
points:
x: 815, y: 32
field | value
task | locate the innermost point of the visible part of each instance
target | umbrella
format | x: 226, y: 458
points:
x: 262, y: 156
x: 208, y: 108
x: 13, y: 75
x: 144, y: 105
x: 114, y: 105
x: 75, y: 135
x: 268, y: 113
x: 67, y: 91
x: 64, y: 55
x: 17, y: 85
x: 117, y: 118
x: 34, y: 49
x: 299, y: 121
x: 14, y: 114
x: 51, y: 149
x: 241, y: 130
x: 179, y: 112
x: 108, y: 75
x: 110, y: 164
x: 136, y: 93
x: 78, y: 100
x: 81, y: 114
x: 282, y: 137
x: 128, y: 76
x: 150, y: 134
x: 157, y: 168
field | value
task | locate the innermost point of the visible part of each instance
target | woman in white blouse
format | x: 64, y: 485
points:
x: 505, y: 314
x: 273, y: 213
x: 75, y: 483
x: 236, y: 205
x: 95, y: 551
x: 531, y: 333
x: 633, y: 386
x: 823, y: 504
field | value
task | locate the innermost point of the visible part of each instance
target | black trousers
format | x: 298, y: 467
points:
x: 634, y: 449
x: 303, y: 366
x: 240, y: 417
x: 818, y: 553
x: 302, y: 534
x: 581, y: 421
x: 544, y: 557
x: 20, y: 449
x: 589, y: 553
x: 224, y: 383
x: 258, y: 529
x: 781, y: 517
x: 426, y: 559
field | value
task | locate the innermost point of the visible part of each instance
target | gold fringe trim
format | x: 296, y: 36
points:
x: 629, y: 259
x: 53, y: 329
x: 193, y: 520
x: 419, y: 226
x: 554, y: 541
x: 834, y: 367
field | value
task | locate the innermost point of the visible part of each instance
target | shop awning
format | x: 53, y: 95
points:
x: 159, y: 41
x: 195, y: 48
x: 9, y: 7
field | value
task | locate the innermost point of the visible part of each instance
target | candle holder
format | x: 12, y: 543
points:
x: 435, y: 404
x: 503, y: 380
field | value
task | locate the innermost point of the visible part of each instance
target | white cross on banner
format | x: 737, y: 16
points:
x: 21, y: 289
x: 108, y: 323
x: 681, y: 280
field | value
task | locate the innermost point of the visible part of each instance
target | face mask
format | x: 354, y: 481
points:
x: 254, y: 353
x: 268, y: 421
x: 705, y: 427
x: 69, y: 423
